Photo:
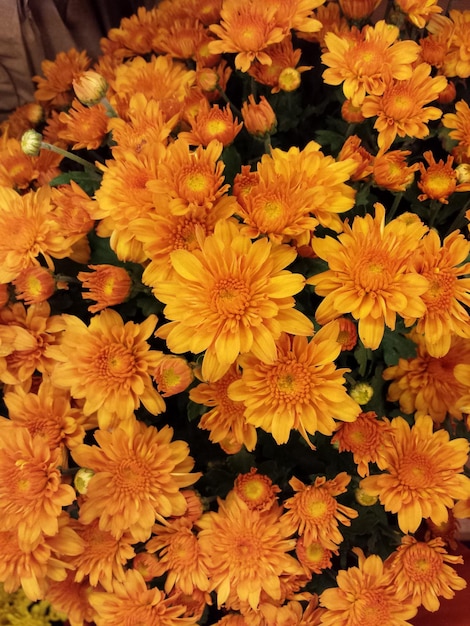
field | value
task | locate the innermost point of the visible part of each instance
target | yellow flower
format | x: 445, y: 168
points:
x: 256, y: 490
x: 369, y: 275
x: 314, y: 513
x: 212, y: 122
x: 112, y: 370
x: 230, y: 297
x: 423, y: 475
x: 107, y: 284
x: 301, y: 390
x: 419, y: 12
x: 314, y: 556
x: 364, y: 597
x: 421, y: 571
x: 438, y: 181
x: 247, y: 552
x: 139, y: 471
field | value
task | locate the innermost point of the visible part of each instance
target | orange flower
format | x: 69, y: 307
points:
x: 456, y: 62
x: 28, y: 230
x: 173, y: 375
x: 352, y: 149
x: 364, y: 597
x: 31, y: 490
x: 448, y: 296
x: 246, y: 29
x: 256, y: 490
x: 358, y: 9
x: 139, y: 471
x: 401, y: 110
x: 391, y: 171
x: 347, y: 336
x: 226, y: 421
x: 134, y: 35
x: 313, y: 556
x: 369, y: 275
x: 423, y: 474
x: 90, y: 87
x: 246, y: 551
x: 112, y: 369
x: 147, y: 564
x: 55, y: 89
x: 71, y: 599
x: 301, y: 390
x: 419, y: 12
x: 314, y: 513
x: 131, y: 601
x: 241, y: 291
x: 420, y: 572
x: 365, y: 439
x: 259, y: 118
x: 22, y: 119
x: 180, y: 38
x: 366, y: 61
x: 107, y: 284
x: 34, y: 285
x: 179, y: 556
x: 429, y: 385
x: 439, y: 180
x: 212, y: 122
x: 83, y: 126
x: 459, y: 124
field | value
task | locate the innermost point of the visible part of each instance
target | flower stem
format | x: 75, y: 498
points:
x: 395, y: 205
x: 68, y: 155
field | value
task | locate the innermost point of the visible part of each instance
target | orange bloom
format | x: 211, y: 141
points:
x: 391, y: 171
x: 439, y: 180
x: 313, y: 556
x: 301, y: 390
x: 246, y: 551
x: 147, y: 564
x: 256, y: 490
x: 179, y: 556
x: 172, y: 375
x: 358, y: 9
x: 401, y: 110
x: 28, y: 231
x: 420, y: 572
x: 180, y: 39
x: 112, y: 369
x: 448, y: 296
x: 71, y: 599
x: 347, y: 336
x: 31, y: 490
x: 419, y: 12
x: 134, y: 34
x: 365, y: 439
x: 131, y: 601
x: 456, y: 62
x: 459, y: 124
x: 55, y: 89
x: 21, y: 119
x: 352, y: 149
x: 212, y: 122
x: 242, y: 293
x: 246, y: 29
x: 259, y: 118
x: 34, y: 285
x: 83, y: 126
x: 226, y: 421
x: 364, y: 597
x: 429, y: 385
x: 90, y: 87
x: 423, y: 474
x: 314, y: 513
x: 107, y: 284
x: 366, y: 61
x: 369, y: 275
x: 139, y: 471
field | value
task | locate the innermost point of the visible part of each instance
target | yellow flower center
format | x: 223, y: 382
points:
x: 108, y: 286
x: 34, y: 286
x: 371, y: 273
x: 131, y: 476
x: 230, y: 298
x: 439, y: 184
x: 216, y: 127
x: 115, y: 361
x: 416, y: 471
x: 441, y: 290
x: 372, y: 609
x: 399, y: 104
x: 421, y: 563
x: 196, y: 181
x: 317, y: 505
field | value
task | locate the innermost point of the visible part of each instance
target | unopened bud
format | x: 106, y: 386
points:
x: 363, y: 498
x: 361, y: 393
x: 82, y: 479
x: 90, y: 87
x: 31, y: 142
x: 289, y: 79
x: 463, y: 172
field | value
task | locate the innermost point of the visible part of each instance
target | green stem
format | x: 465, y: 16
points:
x: 237, y: 112
x: 434, y: 210
x: 68, y: 155
x: 458, y: 218
x: 395, y: 205
x: 267, y: 143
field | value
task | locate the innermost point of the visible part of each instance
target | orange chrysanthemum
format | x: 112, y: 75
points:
x: 247, y: 552
x: 301, y: 390
x: 353, y: 149
x: 84, y: 126
x: 212, y: 122
x: 32, y: 493
x: 55, y: 88
x: 457, y: 31
x: 347, y: 336
x: 365, y: 439
x: 313, y: 556
x: 256, y: 490
x: 246, y: 29
x: 172, y: 375
x: 112, y: 370
x: 429, y: 385
x: 448, y: 296
x: 459, y: 125
x: 401, y: 110
x: 131, y: 602
x: 258, y: 117
x: 358, y: 9
x: 181, y: 38
x: 138, y: 472
x: 391, y: 171
x: 226, y: 421
x: 369, y: 275
x: 71, y: 599
x: 134, y: 34
x: 364, y: 597
x: 107, y: 284
x: 230, y: 297
x: 179, y: 556
x: 23, y: 118
x: 423, y: 475
x: 419, y: 12
x: 438, y: 180
x: 366, y: 61
x: 314, y: 513
x: 420, y: 572
x: 34, y: 284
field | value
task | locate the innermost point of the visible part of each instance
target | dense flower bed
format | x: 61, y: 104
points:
x: 234, y: 319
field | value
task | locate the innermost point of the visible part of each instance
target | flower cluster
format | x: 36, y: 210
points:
x: 235, y: 319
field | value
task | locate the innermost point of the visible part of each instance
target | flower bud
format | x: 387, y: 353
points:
x: 289, y: 79
x: 358, y: 9
x: 90, y: 87
x: 463, y: 172
x: 363, y: 498
x: 82, y: 479
x: 361, y: 393
x: 31, y: 142
x: 259, y: 119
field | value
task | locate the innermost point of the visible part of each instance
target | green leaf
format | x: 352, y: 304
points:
x: 395, y: 346
x: 88, y: 180
x: 233, y: 163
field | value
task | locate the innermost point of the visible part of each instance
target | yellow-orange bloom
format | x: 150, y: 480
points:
x: 230, y: 297
x: 314, y: 513
x: 139, y: 472
x: 256, y: 490
x: 212, y: 122
x: 83, y: 126
x: 32, y: 493
x: 55, y: 88
x: 459, y: 124
x: 391, y: 171
x: 90, y: 87
x: 419, y: 12
x: 71, y: 599
x: 107, y: 284
x: 423, y: 475
x: 401, y: 110
x: 313, y: 556
x: 421, y: 571
x: 438, y: 180
x: 301, y: 390
x: 34, y: 284
x: 246, y: 551
x: 259, y: 118
x: 369, y: 275
x: 366, y: 61
x: 112, y: 370
x: 364, y: 597
x: 173, y: 374
x: 131, y: 601
x: 358, y: 9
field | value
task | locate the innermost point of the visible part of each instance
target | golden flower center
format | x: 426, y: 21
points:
x: 216, y: 127
x: 439, y: 184
x: 315, y: 552
x: 196, y: 181
x: 246, y: 550
x: 372, y: 274
x: 441, y: 290
x: 317, y: 505
x: 184, y: 235
x: 131, y: 476
x: 290, y: 382
x: 399, y: 104
x: 114, y: 362
x: 230, y: 298
x: 416, y: 471
x: 372, y: 609
x: 421, y: 563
